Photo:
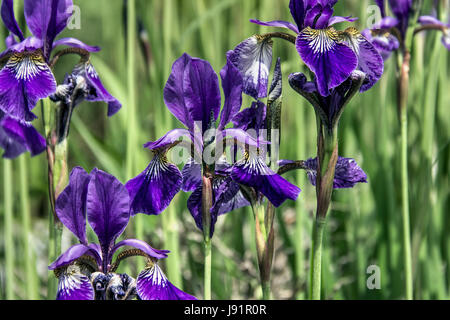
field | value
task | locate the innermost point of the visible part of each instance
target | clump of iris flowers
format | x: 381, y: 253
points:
x: 214, y: 174
x: 342, y: 63
x: 87, y: 271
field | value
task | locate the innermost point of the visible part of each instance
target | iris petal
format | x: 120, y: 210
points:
x: 24, y: 80
x: 74, y: 285
x: 253, y: 172
x: 330, y: 60
x: 153, y: 190
x: 369, y: 60
x: 253, y: 58
x: 152, y: 284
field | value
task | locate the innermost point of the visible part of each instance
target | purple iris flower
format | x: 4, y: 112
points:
x: 17, y: 137
x: 192, y: 95
x: 86, y: 270
x: 330, y: 54
x: 26, y: 77
x: 347, y: 173
x: 390, y: 32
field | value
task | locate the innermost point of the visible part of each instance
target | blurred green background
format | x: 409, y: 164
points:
x: 364, y: 227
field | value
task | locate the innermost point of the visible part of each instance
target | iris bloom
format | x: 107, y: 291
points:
x: 18, y: 137
x: 192, y: 95
x: 26, y: 77
x: 390, y: 32
x: 330, y: 54
x: 86, y: 270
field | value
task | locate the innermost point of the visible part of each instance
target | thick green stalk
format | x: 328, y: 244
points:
x: 264, y: 244
x: 8, y: 229
x: 316, y: 258
x: 327, y: 155
x: 403, y: 88
x: 31, y: 279
x: 207, y: 203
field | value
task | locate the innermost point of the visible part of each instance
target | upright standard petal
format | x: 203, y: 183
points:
x: 24, y: 80
x: 347, y: 173
x: 232, y: 84
x: 174, y: 92
x: 152, y: 284
x: 108, y: 209
x: 253, y: 172
x: 47, y: 18
x: 253, y: 58
x: 297, y: 8
x: 71, y: 203
x: 152, y: 191
x: 7, y: 12
x: 327, y: 57
x: 201, y: 92
x: 74, y: 285
x: 369, y: 60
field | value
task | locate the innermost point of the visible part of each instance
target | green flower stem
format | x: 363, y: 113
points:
x: 403, y: 88
x: 8, y: 229
x: 207, y: 203
x: 316, y: 258
x: 327, y: 155
x: 264, y: 244
x: 31, y: 278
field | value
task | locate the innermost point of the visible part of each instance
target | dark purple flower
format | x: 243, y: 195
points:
x: 331, y: 55
x: 347, y: 173
x: 104, y: 202
x: 17, y: 137
x: 26, y: 77
x: 193, y: 96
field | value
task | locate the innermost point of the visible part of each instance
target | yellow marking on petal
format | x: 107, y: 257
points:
x: 321, y: 40
x: 26, y: 65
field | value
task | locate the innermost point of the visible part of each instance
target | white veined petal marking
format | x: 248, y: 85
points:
x: 71, y: 280
x: 158, y: 164
x: 322, y: 40
x: 26, y: 65
x: 157, y: 276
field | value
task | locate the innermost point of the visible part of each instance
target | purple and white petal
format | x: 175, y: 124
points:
x: 95, y: 91
x: 24, y: 80
x: 74, y: 285
x: 347, y: 173
x: 276, y: 24
x: 152, y: 284
x: 71, y: 204
x: 201, y: 92
x: 253, y: 172
x: 143, y: 246
x: 152, y: 191
x: 253, y: 58
x: 330, y: 60
x: 108, y: 209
